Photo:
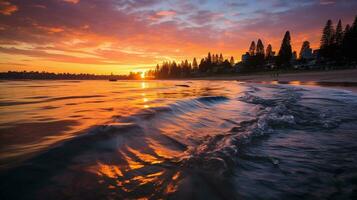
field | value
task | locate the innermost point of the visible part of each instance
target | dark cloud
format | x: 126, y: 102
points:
x: 6, y: 8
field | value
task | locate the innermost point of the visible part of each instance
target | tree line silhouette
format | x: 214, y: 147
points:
x: 35, y: 75
x: 338, y: 44
x: 337, y: 51
x: 212, y: 64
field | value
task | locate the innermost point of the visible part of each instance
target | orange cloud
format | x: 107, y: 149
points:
x: 6, y: 8
x: 135, y: 35
x: 166, y: 13
x: 72, y: 1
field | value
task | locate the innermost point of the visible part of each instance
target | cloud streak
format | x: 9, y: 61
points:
x: 6, y: 8
x: 70, y: 34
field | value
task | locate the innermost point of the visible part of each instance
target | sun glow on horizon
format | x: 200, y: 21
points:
x: 132, y: 41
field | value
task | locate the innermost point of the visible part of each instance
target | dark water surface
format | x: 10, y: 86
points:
x: 176, y: 140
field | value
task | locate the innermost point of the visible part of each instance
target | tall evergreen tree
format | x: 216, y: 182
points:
x: 285, y: 52
x: 347, y: 29
x: 269, y: 52
x: 339, y: 34
x: 353, y: 40
x: 328, y: 42
x: 305, y: 47
x: 346, y: 42
x: 349, y: 43
x: 252, y: 49
x: 336, y: 48
x: 209, y: 58
x: 220, y: 60
x: 194, y: 64
x: 327, y: 38
x: 231, y: 61
x: 260, y: 48
x: 201, y: 66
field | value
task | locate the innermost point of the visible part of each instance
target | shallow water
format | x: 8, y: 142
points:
x: 176, y: 140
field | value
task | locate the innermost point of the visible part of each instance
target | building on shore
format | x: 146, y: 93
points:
x: 306, y: 54
x: 245, y: 57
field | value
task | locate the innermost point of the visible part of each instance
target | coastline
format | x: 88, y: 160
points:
x: 348, y: 75
x: 342, y: 79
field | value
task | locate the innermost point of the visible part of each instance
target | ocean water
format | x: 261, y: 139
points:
x: 176, y: 140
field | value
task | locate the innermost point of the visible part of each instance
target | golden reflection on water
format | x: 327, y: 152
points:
x: 144, y: 85
x: 161, y: 151
x: 132, y: 164
x: 73, y: 106
x: 148, y: 178
x: 303, y: 83
x: 173, y: 185
x: 311, y: 83
x: 147, y: 158
x: 295, y: 82
x: 137, y: 170
x: 110, y: 171
x: 123, y: 179
x: 92, y: 103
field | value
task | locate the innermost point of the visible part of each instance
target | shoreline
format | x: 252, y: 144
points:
x: 346, y: 75
x: 339, y: 79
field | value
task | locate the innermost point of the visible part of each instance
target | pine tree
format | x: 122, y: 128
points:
x: 220, y: 60
x: 328, y: 42
x: 269, y: 52
x: 209, y: 59
x: 285, y: 52
x: 194, y: 64
x: 339, y: 34
x: 347, y: 29
x: 349, y: 42
x: 346, y: 42
x: 327, y: 38
x: 260, y: 48
x: 252, y: 49
x: 201, y: 67
x: 231, y: 61
x: 353, y: 41
x: 304, y: 48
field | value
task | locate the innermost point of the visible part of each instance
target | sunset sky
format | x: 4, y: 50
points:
x: 104, y: 36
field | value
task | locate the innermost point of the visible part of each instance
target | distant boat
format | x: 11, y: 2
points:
x: 112, y: 77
